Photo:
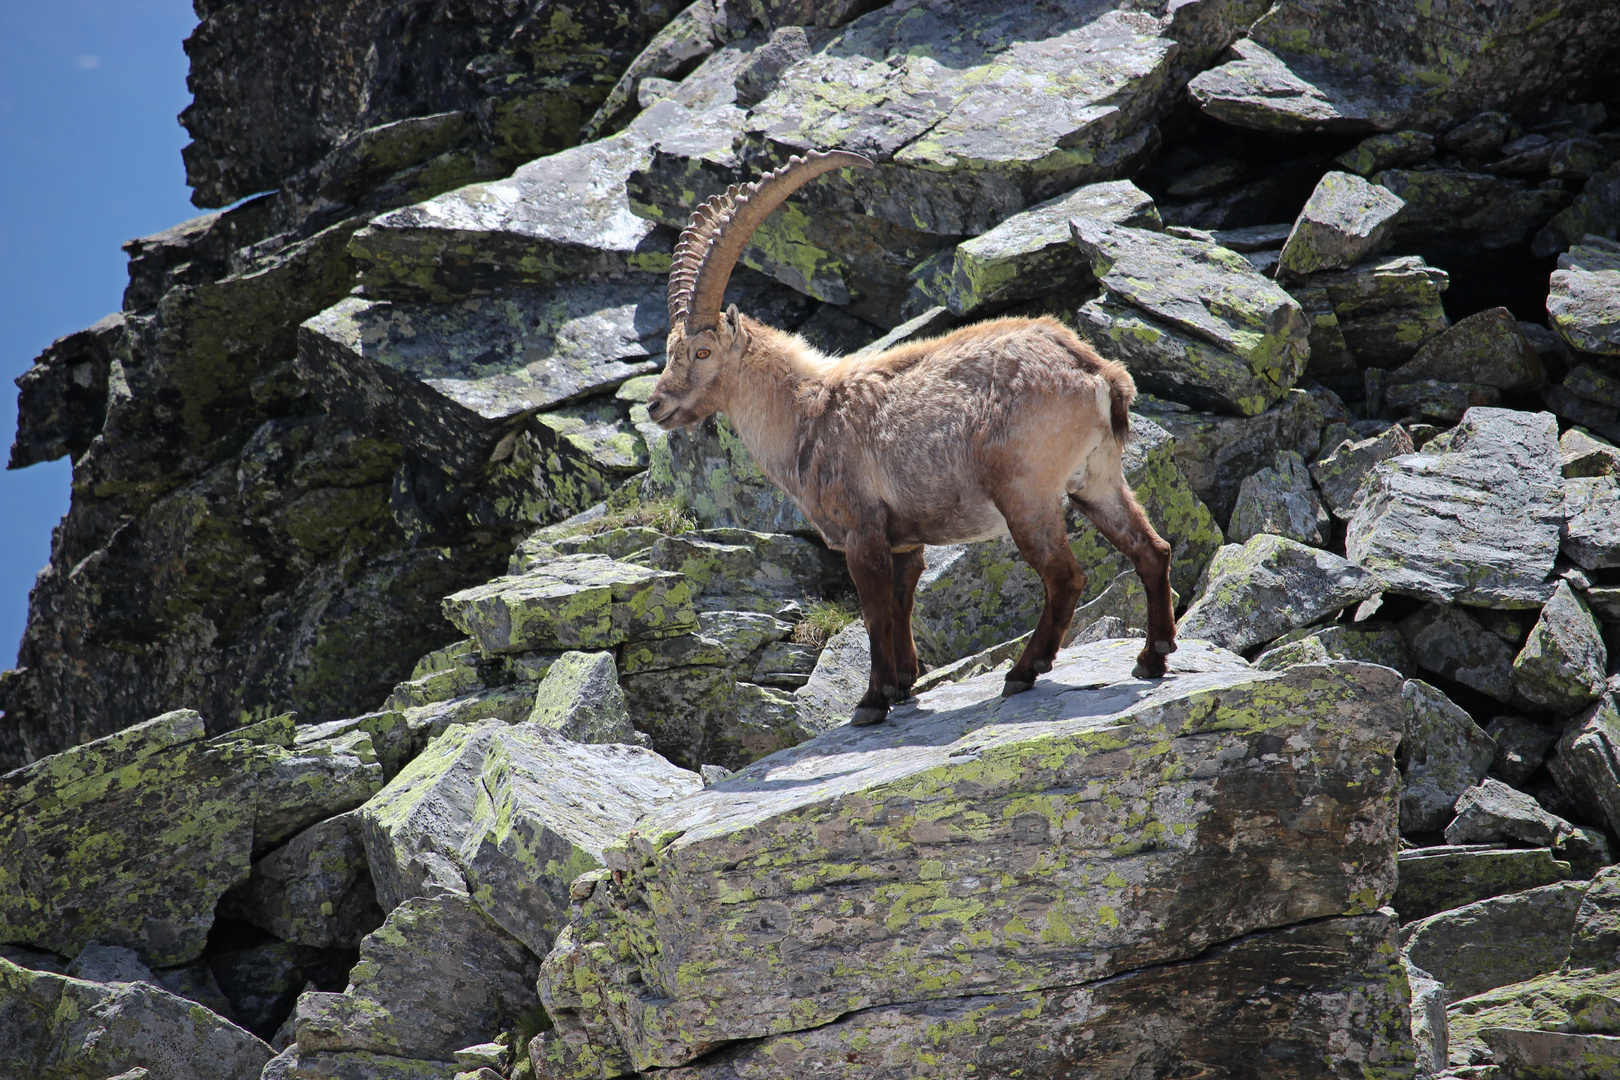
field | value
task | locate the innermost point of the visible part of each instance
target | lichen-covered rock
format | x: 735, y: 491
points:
x: 1385, y: 308
x: 1203, y: 294
x: 1474, y: 518
x: 1584, y: 308
x: 1596, y: 942
x: 1435, y: 401
x: 1257, y: 591
x: 131, y: 840
x: 437, y: 976
x: 1378, y: 152
x: 1468, y: 211
x: 1585, y: 455
x: 1441, y: 878
x: 1031, y: 253
x: 973, y: 596
x: 1488, y: 347
x: 838, y: 680
x: 710, y: 473
x: 705, y: 714
x: 1521, y: 747
x: 1367, y: 642
x: 580, y: 699
x: 1592, y: 532
x: 1281, y: 501
x: 1594, y: 212
x: 1559, y: 1000
x: 1216, y: 452
x: 1536, y: 1051
x: 1442, y: 755
x: 52, y: 1025
x: 1499, y: 941
x: 314, y: 890
x: 1339, y: 473
x: 547, y: 808
x: 1563, y: 665
x: 1258, y: 89
x: 1493, y: 812
x: 1333, y: 986
x: 1345, y: 220
x: 751, y: 886
x: 295, y: 1063
x: 574, y: 602
x: 1584, y: 765
x: 1452, y: 643
x: 732, y: 569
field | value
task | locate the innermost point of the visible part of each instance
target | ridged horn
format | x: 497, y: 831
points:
x: 719, y: 229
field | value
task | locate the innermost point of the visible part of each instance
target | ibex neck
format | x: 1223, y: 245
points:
x: 764, y: 406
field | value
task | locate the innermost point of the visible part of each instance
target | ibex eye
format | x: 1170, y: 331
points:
x: 703, y: 354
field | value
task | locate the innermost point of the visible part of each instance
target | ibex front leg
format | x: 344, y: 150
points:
x: 908, y: 567
x: 872, y: 567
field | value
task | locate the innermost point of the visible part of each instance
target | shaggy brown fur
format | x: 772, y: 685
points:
x: 976, y: 434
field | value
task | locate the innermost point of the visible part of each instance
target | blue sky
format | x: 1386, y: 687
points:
x: 89, y: 158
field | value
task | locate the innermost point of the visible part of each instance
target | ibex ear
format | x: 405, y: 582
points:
x: 734, y: 324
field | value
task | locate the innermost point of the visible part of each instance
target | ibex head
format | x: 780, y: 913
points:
x: 705, y: 343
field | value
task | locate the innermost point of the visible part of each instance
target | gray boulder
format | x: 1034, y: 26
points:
x: 708, y: 471
x: 1521, y: 747
x: 1370, y: 643
x: 1258, y: 591
x: 580, y: 699
x: 1259, y: 90
x: 1563, y: 665
x: 1585, y: 455
x: 1443, y: 754
x: 838, y: 681
x: 1341, y: 470
x: 1493, y: 812
x: 1469, y: 212
x: 1594, y: 212
x: 314, y: 890
x: 1245, y: 338
x: 1441, y: 878
x: 1452, y: 643
x: 1281, y: 501
x: 1385, y: 308
x: 1592, y: 531
x: 56, y: 1026
x: 782, y: 951
x: 1435, y: 401
x: 1581, y: 305
x: 295, y: 1063
x: 1584, y: 765
x: 1499, y: 941
x: 1488, y: 347
x: 1345, y: 220
x: 1472, y: 519
x: 1378, y: 152
x: 1596, y: 942
x: 131, y: 840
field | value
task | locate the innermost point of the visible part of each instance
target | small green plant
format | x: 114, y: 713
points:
x: 665, y: 515
x: 824, y: 619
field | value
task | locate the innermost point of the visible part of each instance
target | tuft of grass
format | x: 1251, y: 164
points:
x: 823, y: 620
x: 665, y: 515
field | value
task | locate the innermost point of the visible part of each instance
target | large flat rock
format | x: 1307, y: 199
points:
x: 1472, y: 519
x: 980, y: 845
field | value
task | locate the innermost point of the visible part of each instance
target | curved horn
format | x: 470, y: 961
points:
x: 719, y: 229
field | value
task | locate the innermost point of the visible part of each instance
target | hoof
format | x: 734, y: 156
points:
x: 1148, y: 671
x: 1016, y: 686
x: 867, y: 715
x: 905, y: 693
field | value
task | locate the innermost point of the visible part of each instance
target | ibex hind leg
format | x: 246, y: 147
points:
x: 1121, y: 520
x: 1037, y: 528
x: 908, y: 567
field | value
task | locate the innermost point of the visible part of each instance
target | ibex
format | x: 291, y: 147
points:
x: 969, y: 436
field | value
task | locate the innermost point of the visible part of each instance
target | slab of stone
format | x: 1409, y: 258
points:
x: 1563, y: 665
x: 1452, y: 643
x: 1378, y: 152
x: 1592, y: 533
x: 707, y: 715
x: 1206, y: 295
x: 437, y: 976
x: 838, y: 680
x: 1596, y: 942
x: 1259, y: 90
x: 295, y: 1063
x: 1257, y: 591
x: 1521, y: 747
x: 732, y: 569
x: 756, y: 821
x: 1439, y: 402
x: 314, y: 890
x: 1330, y: 987
x: 580, y: 699
x: 723, y: 637
x: 1253, y: 238
x: 1434, y: 879
x: 1470, y: 212
x: 1536, y: 1051
x: 1385, y: 308
x: 1584, y: 764
x: 1443, y: 754
x: 1345, y: 220
x: 1593, y: 212
x: 1340, y: 472
x: 1488, y: 348
x: 1495, y: 942
x: 1281, y: 500
x: 1493, y: 812
x: 1585, y: 455
x: 1584, y: 308
x: 974, y: 596
x: 1369, y: 643
x: 109, y: 964
x: 1557, y: 1001
x: 1473, y: 519
x: 1593, y: 383
x: 1216, y: 452
x: 707, y: 470
x: 574, y: 602
x: 56, y: 1026
x: 131, y: 840
x: 1031, y: 254
x: 548, y: 807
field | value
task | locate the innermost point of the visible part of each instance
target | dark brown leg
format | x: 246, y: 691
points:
x: 1037, y: 529
x: 908, y: 567
x: 1121, y: 520
x: 872, y: 567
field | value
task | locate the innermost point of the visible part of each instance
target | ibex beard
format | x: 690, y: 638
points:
x: 977, y: 434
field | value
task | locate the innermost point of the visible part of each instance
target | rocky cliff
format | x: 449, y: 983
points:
x: 400, y: 703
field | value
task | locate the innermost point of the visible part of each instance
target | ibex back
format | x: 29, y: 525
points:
x: 976, y: 434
